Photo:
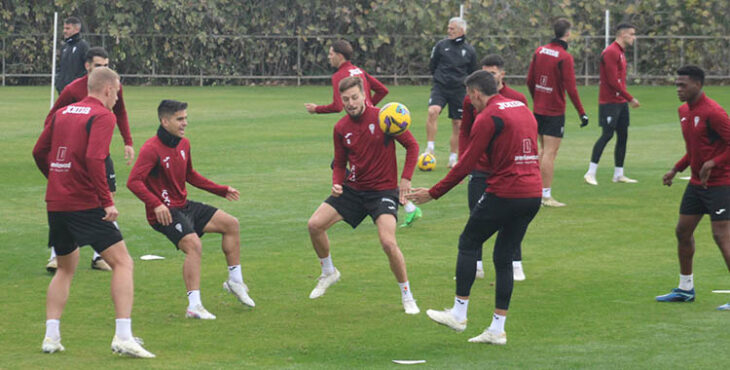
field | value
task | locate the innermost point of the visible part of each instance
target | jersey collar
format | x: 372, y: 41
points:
x: 167, y: 138
x: 560, y: 42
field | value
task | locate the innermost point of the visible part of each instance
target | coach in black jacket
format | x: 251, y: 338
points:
x: 452, y: 59
x: 73, y: 54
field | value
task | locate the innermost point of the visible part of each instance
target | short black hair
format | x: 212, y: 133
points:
x: 561, y: 27
x: 72, y: 20
x: 170, y: 107
x: 96, y: 51
x: 493, y: 60
x: 694, y: 73
x: 482, y: 81
x: 623, y: 26
x: 343, y: 47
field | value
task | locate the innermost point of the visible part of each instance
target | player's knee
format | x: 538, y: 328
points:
x: 389, y: 246
x: 434, y: 110
x: 467, y: 243
x: 191, y: 246
x: 315, y: 226
x: 683, y: 233
x: 232, y: 225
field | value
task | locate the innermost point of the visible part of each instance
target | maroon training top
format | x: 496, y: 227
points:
x: 506, y: 131
x: 163, y: 167
x: 550, y: 75
x: 706, y: 131
x: 612, y: 85
x: 467, y: 120
x: 347, y: 69
x: 370, y: 153
x: 77, y: 90
x: 71, y: 152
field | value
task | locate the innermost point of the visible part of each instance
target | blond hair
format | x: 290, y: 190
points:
x: 100, y: 78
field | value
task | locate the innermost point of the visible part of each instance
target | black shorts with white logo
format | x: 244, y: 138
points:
x: 354, y: 205
x: 111, y: 177
x: 70, y: 230
x: 189, y: 219
x: 453, y: 97
x: 715, y: 201
x: 613, y: 115
x: 550, y: 125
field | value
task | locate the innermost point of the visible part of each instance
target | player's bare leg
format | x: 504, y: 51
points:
x: 58, y: 288
x: 685, y: 251
x: 548, y: 153
x: 432, y: 126
x: 321, y: 220
x: 721, y: 234
x: 192, y: 246
x: 228, y: 226
x: 122, y: 282
x: 386, y: 224
x: 454, y: 142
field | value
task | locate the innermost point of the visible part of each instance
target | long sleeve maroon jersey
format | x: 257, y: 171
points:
x: 706, y: 131
x: 369, y: 83
x: 612, y: 71
x: 163, y: 167
x: 77, y: 90
x: 370, y: 153
x: 506, y: 131
x: 550, y: 75
x: 467, y: 120
x: 71, y: 151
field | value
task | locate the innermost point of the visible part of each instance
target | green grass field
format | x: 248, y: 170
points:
x: 593, y: 268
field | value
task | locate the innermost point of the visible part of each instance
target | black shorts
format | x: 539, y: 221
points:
x: 186, y: 220
x: 476, y: 188
x: 550, y: 125
x: 111, y: 177
x: 453, y: 97
x: 70, y: 230
x: 354, y: 205
x: 714, y: 200
x: 615, y: 115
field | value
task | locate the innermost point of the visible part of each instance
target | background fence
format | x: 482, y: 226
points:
x: 241, y: 59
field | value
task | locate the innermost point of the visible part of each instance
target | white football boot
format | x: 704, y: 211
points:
x: 324, y: 282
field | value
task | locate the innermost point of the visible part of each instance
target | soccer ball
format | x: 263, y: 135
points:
x: 426, y: 162
x: 394, y: 119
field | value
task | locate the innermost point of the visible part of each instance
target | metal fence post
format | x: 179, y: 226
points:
x: 299, y: 60
x: 4, y: 60
x: 201, y: 65
x: 587, y: 55
x: 636, y: 56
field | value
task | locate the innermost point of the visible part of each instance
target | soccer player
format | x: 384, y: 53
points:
x: 158, y: 179
x: 549, y: 76
x: 613, y: 105
x: 75, y: 92
x: 339, y: 57
x: 506, y: 131
x: 706, y: 131
x: 370, y: 188
x: 452, y: 59
x: 71, y: 63
x: 493, y: 64
x: 70, y: 153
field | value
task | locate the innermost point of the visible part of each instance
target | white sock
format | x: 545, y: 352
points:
x: 497, y: 325
x: 453, y: 157
x: 686, y: 282
x: 52, y: 329
x: 618, y: 172
x: 460, y: 308
x: 95, y: 256
x: 194, y: 298
x: 592, y: 168
x: 516, y: 264
x: 480, y: 265
x: 430, y: 146
x: 405, y: 291
x: 234, y: 274
x: 124, y: 329
x: 327, y: 266
x: 53, y: 253
x: 546, y: 192
x: 409, y: 206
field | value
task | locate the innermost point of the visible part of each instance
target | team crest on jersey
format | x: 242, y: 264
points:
x: 697, y: 120
x: 372, y: 128
x: 182, y: 153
